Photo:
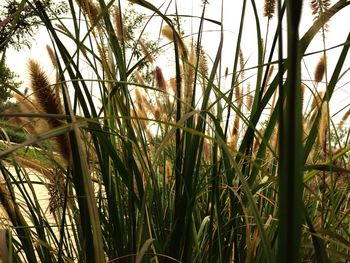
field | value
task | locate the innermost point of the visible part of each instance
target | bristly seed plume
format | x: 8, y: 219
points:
x: 269, y: 8
x: 119, y: 28
x: 320, y: 69
x: 323, y: 128
x: 345, y: 117
x: 160, y: 79
x: 52, y: 56
x: 49, y: 103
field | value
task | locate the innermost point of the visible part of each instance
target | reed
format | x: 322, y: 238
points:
x: 185, y: 169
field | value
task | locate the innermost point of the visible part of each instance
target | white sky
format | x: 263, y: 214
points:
x: 338, y: 30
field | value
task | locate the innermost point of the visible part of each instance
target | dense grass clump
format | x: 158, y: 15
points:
x: 139, y: 167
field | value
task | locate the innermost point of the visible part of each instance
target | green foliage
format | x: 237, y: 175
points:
x: 22, y: 21
x: 8, y: 83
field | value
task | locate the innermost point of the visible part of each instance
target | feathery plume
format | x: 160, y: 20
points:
x: 160, y: 79
x: 323, y: 128
x: 162, y: 86
x: 167, y: 32
x: 320, y: 69
x: 238, y: 95
x: 157, y: 113
x: 139, y: 98
x: 249, y: 101
x: 49, y: 103
x: 345, y: 117
x: 189, y: 78
x: 172, y: 83
x: 241, y: 64
x: 203, y: 61
x: 104, y: 61
x: 119, y: 28
x: 234, y: 136
x: 90, y: 9
x: 51, y: 56
x: 145, y: 51
x: 269, y: 8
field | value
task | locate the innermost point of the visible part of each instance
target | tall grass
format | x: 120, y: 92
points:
x: 139, y: 168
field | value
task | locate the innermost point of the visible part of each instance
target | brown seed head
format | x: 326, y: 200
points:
x: 90, y: 9
x: 52, y: 56
x: 49, y: 103
x: 323, y: 128
x: 157, y: 113
x: 145, y: 51
x: 269, y: 8
x: 119, y: 28
x: 160, y: 78
x: 172, y: 83
x: 345, y: 117
x: 167, y: 32
x: 139, y: 98
x: 320, y: 69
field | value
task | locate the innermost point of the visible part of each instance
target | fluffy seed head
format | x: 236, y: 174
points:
x: 160, y: 78
x: 145, y: 51
x: 90, y: 9
x: 269, y: 8
x: 323, y: 128
x: 167, y: 32
x: 172, y: 83
x: 241, y: 64
x: 119, y: 28
x: 320, y: 69
x: 345, y: 117
x: 42, y: 90
x: 157, y: 113
x: 51, y: 56
x: 49, y: 102
x: 139, y: 98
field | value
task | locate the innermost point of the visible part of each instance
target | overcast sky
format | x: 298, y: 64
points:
x: 338, y: 30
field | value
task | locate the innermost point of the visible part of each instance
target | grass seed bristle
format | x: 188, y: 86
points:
x: 52, y: 56
x: 269, y: 8
x: 320, y: 70
x: 49, y: 102
x: 119, y: 28
x: 160, y: 80
x: 344, y: 118
x: 323, y: 127
x: 167, y: 32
